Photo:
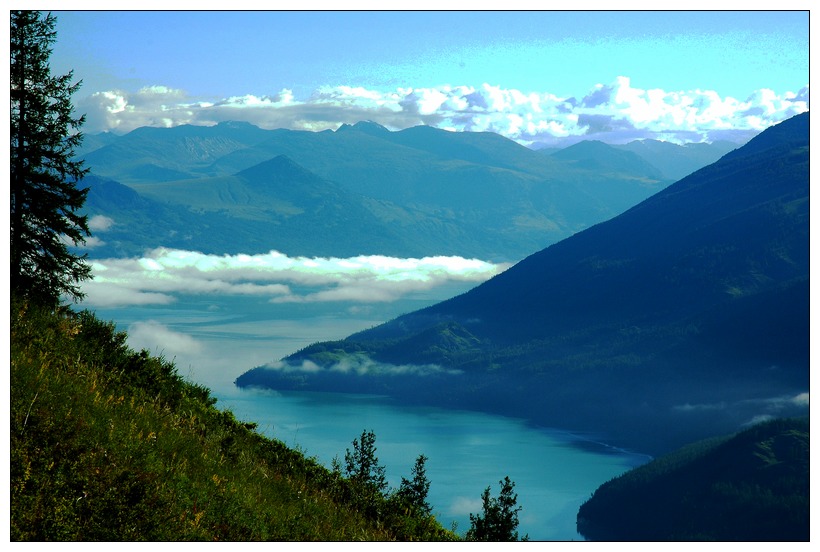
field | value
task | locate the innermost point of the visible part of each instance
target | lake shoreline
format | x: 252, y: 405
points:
x: 555, y: 470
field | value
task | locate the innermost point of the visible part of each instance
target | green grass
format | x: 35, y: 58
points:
x: 109, y: 444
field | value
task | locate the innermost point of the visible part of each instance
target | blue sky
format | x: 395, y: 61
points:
x: 536, y: 77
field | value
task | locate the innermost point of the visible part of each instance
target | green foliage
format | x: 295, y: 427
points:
x: 108, y: 444
x: 44, y: 194
x: 499, y: 521
x: 406, y: 510
x: 366, y: 474
x: 753, y: 486
x: 414, y: 492
x: 361, y: 464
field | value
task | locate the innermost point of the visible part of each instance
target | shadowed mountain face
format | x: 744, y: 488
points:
x: 684, y: 317
x: 753, y: 486
x: 419, y: 191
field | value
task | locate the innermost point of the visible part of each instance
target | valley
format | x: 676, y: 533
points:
x: 637, y: 327
x: 410, y: 276
x: 553, y: 340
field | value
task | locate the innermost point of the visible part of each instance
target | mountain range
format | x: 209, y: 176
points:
x: 684, y: 317
x: 361, y: 189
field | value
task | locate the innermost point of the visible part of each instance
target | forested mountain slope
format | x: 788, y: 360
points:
x: 753, y: 486
x: 683, y: 317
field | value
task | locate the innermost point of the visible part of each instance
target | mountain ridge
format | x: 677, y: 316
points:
x: 641, y: 306
x: 751, y: 486
x: 467, y: 194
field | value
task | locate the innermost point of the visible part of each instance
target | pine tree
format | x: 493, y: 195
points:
x: 414, y: 492
x: 44, y: 174
x: 499, y: 523
x: 362, y: 465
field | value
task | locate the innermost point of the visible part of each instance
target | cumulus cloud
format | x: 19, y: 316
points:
x: 613, y: 112
x: 156, y: 106
x: 162, y: 274
x: 800, y: 400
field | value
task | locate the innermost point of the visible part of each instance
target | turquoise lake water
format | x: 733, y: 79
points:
x: 213, y: 340
x: 554, y: 471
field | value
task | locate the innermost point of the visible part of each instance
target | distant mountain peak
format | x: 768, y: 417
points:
x: 597, y: 155
x: 281, y: 164
x: 368, y: 127
x: 236, y: 124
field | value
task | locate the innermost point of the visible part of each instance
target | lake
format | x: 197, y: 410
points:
x: 554, y: 471
x: 214, y: 338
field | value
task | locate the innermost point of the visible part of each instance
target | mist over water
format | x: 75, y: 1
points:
x: 213, y: 339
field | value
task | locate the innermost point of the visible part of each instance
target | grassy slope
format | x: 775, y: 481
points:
x: 110, y: 444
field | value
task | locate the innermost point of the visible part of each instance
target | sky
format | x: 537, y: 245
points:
x: 541, y: 78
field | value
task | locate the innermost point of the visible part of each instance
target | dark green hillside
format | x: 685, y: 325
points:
x: 679, y: 319
x: 753, y: 486
x: 108, y: 444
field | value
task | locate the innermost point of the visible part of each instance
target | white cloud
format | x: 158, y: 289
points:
x: 800, y: 400
x: 362, y: 365
x: 117, y: 110
x: 88, y: 242
x: 759, y: 419
x: 614, y: 112
x: 770, y: 404
x: 107, y: 294
x: 462, y: 506
x: 147, y: 334
x: 92, y: 241
x: 688, y: 407
x: 100, y: 223
x: 162, y: 273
